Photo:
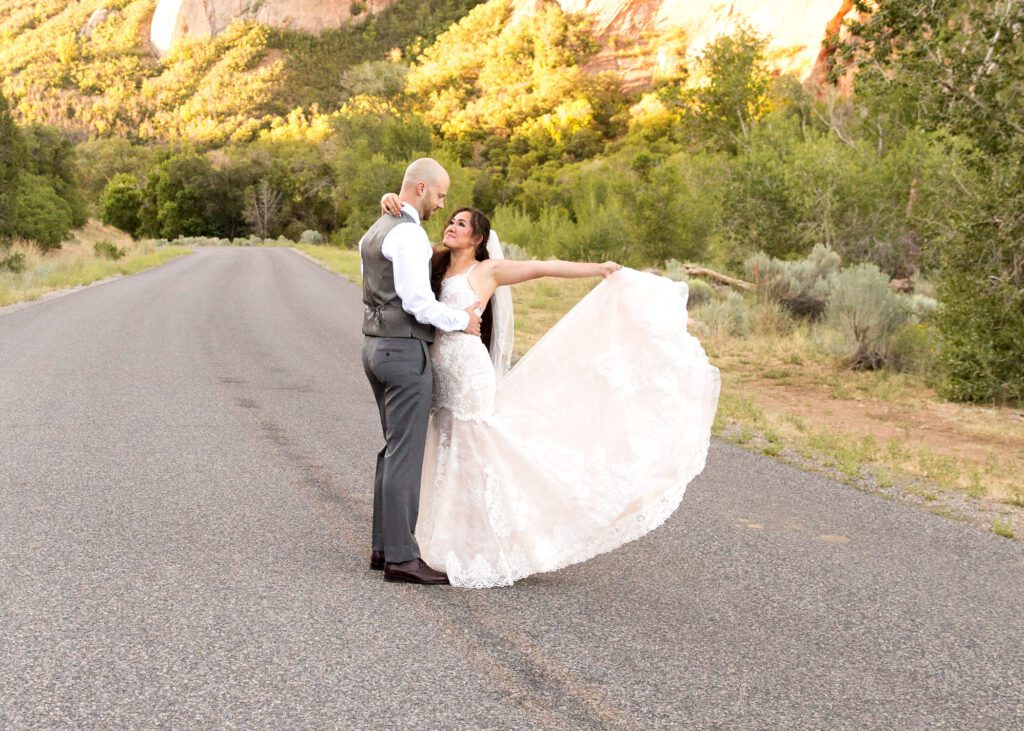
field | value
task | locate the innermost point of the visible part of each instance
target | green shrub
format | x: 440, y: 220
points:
x: 773, y: 318
x: 15, y: 263
x: 914, y: 348
x: 122, y: 199
x: 729, y: 316
x: 42, y: 215
x: 802, y: 285
x: 863, y: 314
x: 700, y: 292
x: 107, y: 250
x: 921, y: 307
x: 982, y: 327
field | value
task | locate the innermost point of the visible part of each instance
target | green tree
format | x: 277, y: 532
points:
x: 42, y: 215
x: 958, y: 67
x: 122, y: 200
x: 99, y: 160
x: 173, y: 200
x: 734, y: 93
x: 52, y: 155
x: 12, y: 161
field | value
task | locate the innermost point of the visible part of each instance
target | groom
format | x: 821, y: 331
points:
x: 399, y: 319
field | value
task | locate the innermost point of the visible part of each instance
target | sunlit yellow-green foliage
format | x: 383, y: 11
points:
x: 210, y: 91
x: 496, y: 69
x: 213, y: 89
x: 109, y: 82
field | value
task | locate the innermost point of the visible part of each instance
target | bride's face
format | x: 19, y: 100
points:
x: 459, y: 232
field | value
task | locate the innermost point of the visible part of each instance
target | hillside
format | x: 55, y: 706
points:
x: 218, y: 72
x: 104, y: 79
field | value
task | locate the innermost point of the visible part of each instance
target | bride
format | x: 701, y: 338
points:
x: 586, y: 444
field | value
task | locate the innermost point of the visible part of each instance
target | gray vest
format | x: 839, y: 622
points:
x: 383, y: 316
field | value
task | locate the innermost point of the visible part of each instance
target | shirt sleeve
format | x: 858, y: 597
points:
x: 409, y: 250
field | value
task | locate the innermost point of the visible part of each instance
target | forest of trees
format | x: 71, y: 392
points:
x: 918, y: 174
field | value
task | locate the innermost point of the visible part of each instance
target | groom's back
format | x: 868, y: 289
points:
x: 383, y: 316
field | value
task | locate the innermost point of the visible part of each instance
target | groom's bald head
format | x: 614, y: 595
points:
x: 425, y: 186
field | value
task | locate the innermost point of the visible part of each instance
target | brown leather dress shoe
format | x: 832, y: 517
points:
x: 414, y: 572
x: 377, y: 561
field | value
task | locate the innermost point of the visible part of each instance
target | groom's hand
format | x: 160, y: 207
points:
x: 473, y: 328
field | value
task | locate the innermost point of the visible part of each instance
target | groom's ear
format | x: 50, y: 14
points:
x: 421, y: 189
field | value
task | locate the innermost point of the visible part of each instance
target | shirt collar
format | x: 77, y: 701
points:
x: 411, y: 211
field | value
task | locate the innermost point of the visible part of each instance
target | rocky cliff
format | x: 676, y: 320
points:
x: 640, y: 39
x: 175, y: 19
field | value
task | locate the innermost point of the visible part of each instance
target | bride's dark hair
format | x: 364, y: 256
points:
x: 442, y: 261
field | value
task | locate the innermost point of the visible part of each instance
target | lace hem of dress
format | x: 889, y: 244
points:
x: 480, y: 573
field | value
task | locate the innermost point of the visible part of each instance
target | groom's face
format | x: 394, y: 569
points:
x: 433, y: 197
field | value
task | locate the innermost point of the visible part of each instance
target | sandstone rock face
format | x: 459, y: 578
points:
x: 641, y: 39
x: 645, y: 38
x: 175, y: 19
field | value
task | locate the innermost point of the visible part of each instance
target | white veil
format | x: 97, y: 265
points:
x: 503, y: 318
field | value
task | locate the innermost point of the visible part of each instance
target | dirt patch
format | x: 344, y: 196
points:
x: 948, y: 429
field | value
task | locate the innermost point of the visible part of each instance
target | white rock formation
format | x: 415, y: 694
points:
x: 175, y: 19
x: 663, y: 30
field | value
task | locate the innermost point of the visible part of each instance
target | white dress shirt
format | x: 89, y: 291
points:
x: 408, y: 249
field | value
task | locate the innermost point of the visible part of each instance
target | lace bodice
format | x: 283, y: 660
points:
x: 464, y: 381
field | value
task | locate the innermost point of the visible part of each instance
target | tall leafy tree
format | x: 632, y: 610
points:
x: 958, y: 67
x: 12, y: 161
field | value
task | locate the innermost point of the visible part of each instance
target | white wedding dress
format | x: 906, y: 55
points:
x: 588, y: 443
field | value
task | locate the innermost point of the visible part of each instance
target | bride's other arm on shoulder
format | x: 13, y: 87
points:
x: 390, y: 204
x: 506, y: 271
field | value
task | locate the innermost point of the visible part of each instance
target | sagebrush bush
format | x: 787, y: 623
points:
x: 914, y: 348
x: 676, y: 270
x: 311, y: 237
x: 921, y: 307
x: 108, y: 250
x: 863, y: 314
x: 802, y: 285
x: 700, y: 292
x: 15, y: 263
x: 729, y: 316
x: 773, y: 318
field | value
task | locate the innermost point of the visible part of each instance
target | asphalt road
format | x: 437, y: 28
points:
x: 185, y: 468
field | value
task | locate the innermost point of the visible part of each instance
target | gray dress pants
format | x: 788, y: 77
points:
x: 399, y: 373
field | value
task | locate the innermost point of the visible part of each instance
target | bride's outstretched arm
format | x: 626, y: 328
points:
x: 513, y: 272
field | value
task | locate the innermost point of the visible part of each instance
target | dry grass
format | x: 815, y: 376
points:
x: 889, y: 423
x: 541, y: 303
x: 342, y: 261
x: 76, y: 263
